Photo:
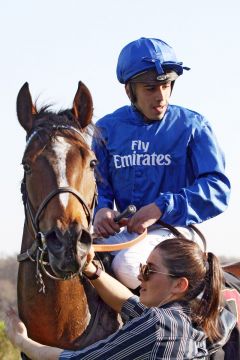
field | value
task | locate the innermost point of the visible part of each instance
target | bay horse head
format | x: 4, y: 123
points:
x: 58, y: 188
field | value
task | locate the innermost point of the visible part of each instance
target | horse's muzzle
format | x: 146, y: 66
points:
x: 67, y: 250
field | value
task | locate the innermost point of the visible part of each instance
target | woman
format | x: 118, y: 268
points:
x: 167, y: 321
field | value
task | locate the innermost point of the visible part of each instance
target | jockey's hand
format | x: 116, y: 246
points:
x: 104, y: 224
x: 15, y: 328
x: 144, y: 217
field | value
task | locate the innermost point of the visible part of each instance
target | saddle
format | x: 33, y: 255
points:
x: 225, y: 348
x: 231, y: 349
x: 228, y: 348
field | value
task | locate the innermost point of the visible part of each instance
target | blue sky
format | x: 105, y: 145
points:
x: 54, y: 44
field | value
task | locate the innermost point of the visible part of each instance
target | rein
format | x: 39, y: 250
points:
x: 119, y: 246
x: 35, y: 219
x: 128, y: 244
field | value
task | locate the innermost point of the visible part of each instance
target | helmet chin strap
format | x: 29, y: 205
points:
x: 129, y: 87
x: 172, y: 85
x: 132, y: 97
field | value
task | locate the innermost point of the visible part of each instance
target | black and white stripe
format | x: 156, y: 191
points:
x: 164, y: 333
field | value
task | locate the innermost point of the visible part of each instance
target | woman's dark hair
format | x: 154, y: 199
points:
x: 184, y: 258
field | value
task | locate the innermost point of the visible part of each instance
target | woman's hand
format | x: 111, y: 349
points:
x: 15, y: 328
x: 17, y: 334
x: 89, y: 268
x: 90, y: 257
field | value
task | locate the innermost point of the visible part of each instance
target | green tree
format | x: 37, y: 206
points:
x: 7, y: 350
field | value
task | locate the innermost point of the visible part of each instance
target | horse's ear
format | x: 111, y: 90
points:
x: 83, y: 105
x: 25, y: 107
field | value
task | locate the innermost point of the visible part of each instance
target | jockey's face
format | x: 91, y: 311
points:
x: 159, y: 288
x: 152, y: 100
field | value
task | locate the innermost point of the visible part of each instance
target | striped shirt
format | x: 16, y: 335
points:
x: 165, y: 333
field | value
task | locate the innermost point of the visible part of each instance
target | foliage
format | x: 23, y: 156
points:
x: 8, y: 283
x: 7, y: 351
x: 8, y: 296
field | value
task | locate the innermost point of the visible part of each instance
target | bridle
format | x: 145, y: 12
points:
x: 39, y: 246
x: 34, y: 219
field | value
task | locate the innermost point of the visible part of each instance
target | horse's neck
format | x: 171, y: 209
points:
x: 69, y: 315
x: 104, y: 321
x: 57, y: 317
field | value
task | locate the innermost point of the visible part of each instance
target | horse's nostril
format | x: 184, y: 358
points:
x: 53, y: 242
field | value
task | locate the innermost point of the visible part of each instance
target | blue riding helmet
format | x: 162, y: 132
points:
x: 145, y: 54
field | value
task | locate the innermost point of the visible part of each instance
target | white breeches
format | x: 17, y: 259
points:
x: 126, y: 262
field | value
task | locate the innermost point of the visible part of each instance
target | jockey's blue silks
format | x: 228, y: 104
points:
x: 175, y: 162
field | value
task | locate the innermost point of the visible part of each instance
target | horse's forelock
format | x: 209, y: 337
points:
x: 48, y: 125
x: 46, y: 118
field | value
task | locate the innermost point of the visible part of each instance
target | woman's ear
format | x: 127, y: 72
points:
x: 181, y: 285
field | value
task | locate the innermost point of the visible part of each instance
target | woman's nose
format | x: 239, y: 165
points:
x: 140, y: 277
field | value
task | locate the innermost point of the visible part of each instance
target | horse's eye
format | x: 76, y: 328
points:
x: 93, y: 163
x: 26, y: 168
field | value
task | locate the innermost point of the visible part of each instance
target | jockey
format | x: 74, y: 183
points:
x: 162, y: 158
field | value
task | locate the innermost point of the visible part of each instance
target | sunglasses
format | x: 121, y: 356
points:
x: 145, y: 272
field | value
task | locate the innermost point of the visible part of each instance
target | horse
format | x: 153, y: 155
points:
x: 56, y: 302
x: 233, y: 268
